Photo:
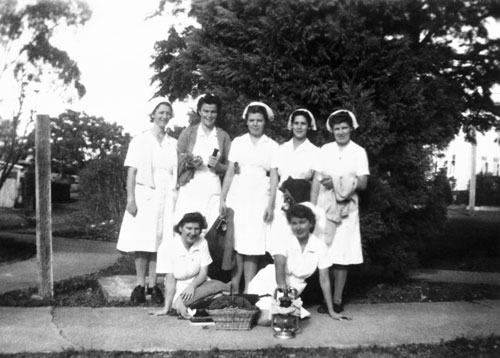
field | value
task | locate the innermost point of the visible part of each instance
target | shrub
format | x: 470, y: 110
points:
x: 487, y: 191
x: 102, y: 189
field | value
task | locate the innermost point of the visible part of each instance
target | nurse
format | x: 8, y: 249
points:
x: 186, y: 263
x: 296, y: 257
x: 249, y: 189
x: 151, y: 177
x: 295, y: 160
x: 204, y: 150
x: 342, y: 171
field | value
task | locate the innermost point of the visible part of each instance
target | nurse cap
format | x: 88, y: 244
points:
x: 269, y: 111
x: 313, y: 120
x: 353, y: 118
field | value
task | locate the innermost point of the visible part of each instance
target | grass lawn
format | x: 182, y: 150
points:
x: 488, y: 347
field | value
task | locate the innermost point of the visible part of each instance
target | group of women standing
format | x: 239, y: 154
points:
x: 209, y: 174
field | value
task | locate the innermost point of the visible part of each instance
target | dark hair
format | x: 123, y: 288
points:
x: 158, y: 105
x: 341, y: 117
x: 257, y: 109
x: 301, y: 212
x: 301, y: 112
x: 209, y: 99
x: 195, y: 217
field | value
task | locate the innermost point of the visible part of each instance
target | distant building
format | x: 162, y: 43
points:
x: 9, y: 192
x: 456, y: 159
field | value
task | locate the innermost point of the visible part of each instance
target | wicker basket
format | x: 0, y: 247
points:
x: 233, y: 319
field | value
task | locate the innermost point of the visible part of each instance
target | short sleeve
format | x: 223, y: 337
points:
x: 362, y: 167
x: 234, y: 151
x: 278, y: 246
x: 275, y: 155
x: 133, y: 158
x: 205, y: 258
x: 318, y: 163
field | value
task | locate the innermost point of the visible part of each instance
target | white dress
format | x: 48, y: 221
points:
x: 296, y: 163
x: 352, y: 160
x: 249, y: 192
x: 202, y: 192
x: 184, y: 264
x: 156, y: 177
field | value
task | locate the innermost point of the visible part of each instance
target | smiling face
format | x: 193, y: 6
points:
x: 299, y: 126
x: 342, y: 133
x: 190, y: 232
x: 161, y: 116
x: 301, y: 227
x: 208, y: 115
x: 256, y: 123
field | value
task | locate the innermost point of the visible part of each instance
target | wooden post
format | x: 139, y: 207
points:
x: 472, y: 184
x: 43, y: 207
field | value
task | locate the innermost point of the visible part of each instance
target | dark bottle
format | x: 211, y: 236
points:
x: 214, y: 154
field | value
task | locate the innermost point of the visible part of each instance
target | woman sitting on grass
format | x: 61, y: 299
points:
x: 185, y: 260
x: 296, y: 257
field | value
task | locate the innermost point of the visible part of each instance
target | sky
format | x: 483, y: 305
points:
x: 113, y: 51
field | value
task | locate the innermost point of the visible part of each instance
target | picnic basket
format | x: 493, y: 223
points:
x: 238, y: 315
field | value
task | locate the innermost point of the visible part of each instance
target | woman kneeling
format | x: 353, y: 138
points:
x: 296, y: 257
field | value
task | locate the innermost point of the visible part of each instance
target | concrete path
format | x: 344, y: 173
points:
x: 71, y: 257
x: 132, y: 329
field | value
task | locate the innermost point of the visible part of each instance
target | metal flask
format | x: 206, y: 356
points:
x: 285, y: 326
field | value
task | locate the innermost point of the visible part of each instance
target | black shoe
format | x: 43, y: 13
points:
x: 322, y: 308
x: 156, y: 295
x: 338, y: 308
x: 138, y: 295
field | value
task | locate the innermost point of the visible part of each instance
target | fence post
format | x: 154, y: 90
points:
x: 43, y: 207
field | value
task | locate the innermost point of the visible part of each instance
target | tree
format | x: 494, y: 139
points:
x: 413, y: 71
x: 78, y: 138
x: 29, y: 59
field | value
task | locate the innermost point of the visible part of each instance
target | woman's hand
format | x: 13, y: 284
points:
x: 212, y: 162
x: 197, y: 161
x: 327, y: 182
x: 188, y: 293
x: 222, y: 208
x: 268, y: 214
x: 131, y: 207
x: 162, y: 312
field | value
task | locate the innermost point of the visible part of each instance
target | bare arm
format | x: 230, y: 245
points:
x: 315, y: 185
x: 274, y: 178
x: 131, y: 204
x: 188, y: 293
x: 170, y: 285
x: 362, y: 183
x: 228, y: 179
x: 280, y: 268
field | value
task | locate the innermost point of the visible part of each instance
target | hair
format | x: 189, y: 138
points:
x: 257, y: 109
x: 158, y: 105
x: 341, y: 117
x: 301, y: 212
x: 306, y: 114
x: 209, y: 99
x: 195, y: 217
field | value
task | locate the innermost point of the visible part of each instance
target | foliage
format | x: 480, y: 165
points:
x: 102, y: 189
x: 414, y: 72
x: 30, y: 58
x: 77, y: 138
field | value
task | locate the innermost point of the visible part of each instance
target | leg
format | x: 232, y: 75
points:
x: 236, y: 273
x: 340, y: 277
x: 141, y: 266
x: 152, y: 269
x: 249, y: 269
